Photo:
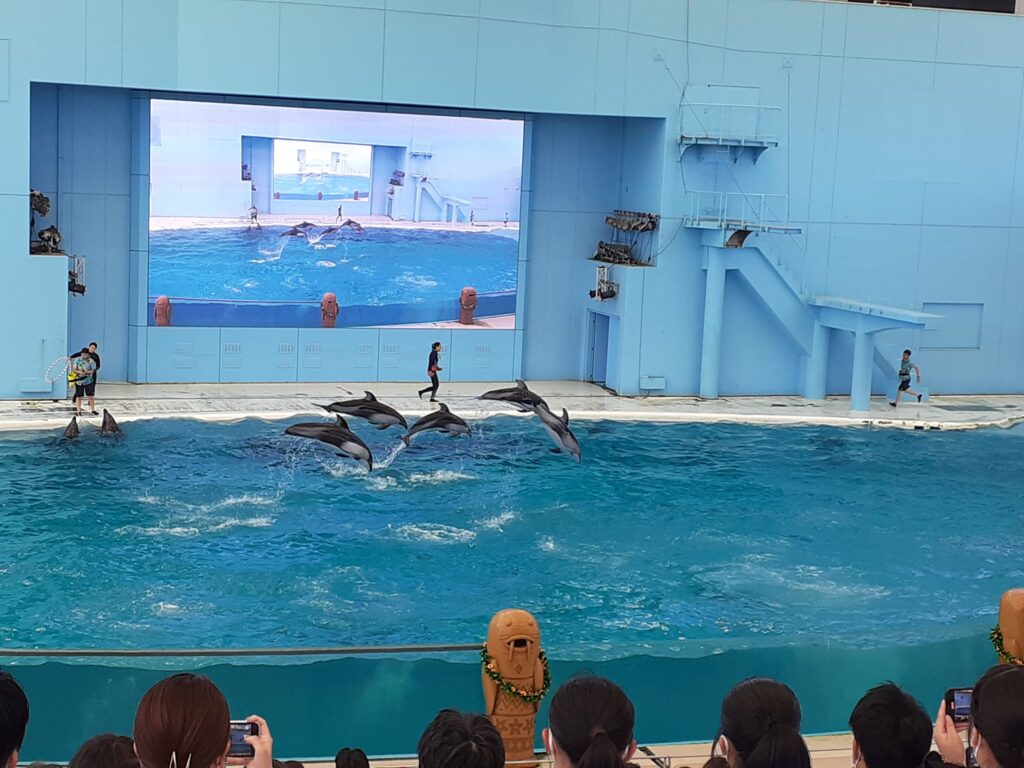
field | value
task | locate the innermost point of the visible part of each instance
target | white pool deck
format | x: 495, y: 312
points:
x: 231, y: 402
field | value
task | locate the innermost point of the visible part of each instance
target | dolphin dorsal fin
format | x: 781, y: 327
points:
x: 565, y: 417
x: 341, y: 422
x: 443, y: 407
x: 521, y: 384
x: 370, y: 397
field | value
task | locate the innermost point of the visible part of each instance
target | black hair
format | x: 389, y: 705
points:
x: 997, y: 707
x: 435, y: 345
x: 106, y: 751
x: 457, y: 740
x: 93, y: 344
x: 891, y: 727
x: 13, y: 717
x: 85, y: 351
x: 906, y: 351
x: 591, y: 719
x: 351, y: 758
x: 761, y: 720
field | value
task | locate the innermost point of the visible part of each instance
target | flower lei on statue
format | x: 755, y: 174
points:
x: 491, y: 670
x: 996, y: 636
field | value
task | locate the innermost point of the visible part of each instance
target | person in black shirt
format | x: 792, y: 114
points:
x: 433, y: 366
x: 90, y: 389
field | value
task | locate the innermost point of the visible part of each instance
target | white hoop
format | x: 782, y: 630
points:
x: 52, y: 374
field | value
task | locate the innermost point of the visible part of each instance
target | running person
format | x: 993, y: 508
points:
x: 433, y: 366
x: 83, y: 372
x: 906, y: 366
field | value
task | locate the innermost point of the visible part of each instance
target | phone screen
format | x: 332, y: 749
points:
x: 959, y: 704
x: 239, y: 730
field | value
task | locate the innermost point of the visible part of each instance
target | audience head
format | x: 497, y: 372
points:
x: 457, y: 740
x: 436, y: 346
x: 13, y: 719
x: 890, y: 729
x: 351, y: 758
x: 184, y: 717
x: 106, y: 751
x: 760, y: 726
x: 997, y: 709
x: 590, y: 724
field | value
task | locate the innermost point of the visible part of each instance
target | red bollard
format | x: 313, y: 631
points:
x: 467, y: 305
x: 162, y: 311
x: 329, y: 310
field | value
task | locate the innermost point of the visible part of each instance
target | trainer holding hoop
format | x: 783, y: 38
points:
x: 83, y: 376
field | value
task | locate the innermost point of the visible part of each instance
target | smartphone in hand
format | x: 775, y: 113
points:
x: 239, y: 730
x: 958, y: 704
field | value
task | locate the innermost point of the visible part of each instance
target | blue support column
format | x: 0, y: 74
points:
x: 714, y: 308
x: 863, y: 361
x: 816, y: 385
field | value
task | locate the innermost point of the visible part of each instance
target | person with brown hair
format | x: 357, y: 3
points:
x: 183, y: 722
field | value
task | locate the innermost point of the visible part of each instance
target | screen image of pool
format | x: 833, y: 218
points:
x: 294, y: 217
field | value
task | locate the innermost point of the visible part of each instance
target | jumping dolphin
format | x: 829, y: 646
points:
x: 339, y: 435
x: 370, y: 408
x: 329, y: 231
x: 71, y: 430
x: 559, y: 430
x: 294, y: 232
x: 353, y: 224
x: 518, y: 396
x: 442, y: 420
x: 305, y: 225
x: 109, y: 426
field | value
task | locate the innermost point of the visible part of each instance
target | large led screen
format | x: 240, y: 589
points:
x: 291, y: 217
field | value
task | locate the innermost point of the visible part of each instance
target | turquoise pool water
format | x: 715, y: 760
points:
x: 381, y: 266
x: 669, y: 540
x: 312, y: 186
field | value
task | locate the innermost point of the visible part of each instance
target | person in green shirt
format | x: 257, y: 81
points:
x: 906, y: 366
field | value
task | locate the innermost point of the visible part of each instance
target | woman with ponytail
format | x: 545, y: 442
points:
x: 590, y: 725
x: 760, y: 727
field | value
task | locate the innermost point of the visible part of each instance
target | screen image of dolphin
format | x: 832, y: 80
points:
x: 339, y: 435
x: 558, y: 428
x: 443, y: 420
x: 518, y: 396
x: 381, y: 415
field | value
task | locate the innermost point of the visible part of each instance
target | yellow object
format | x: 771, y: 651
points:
x: 1011, y: 622
x: 513, y: 645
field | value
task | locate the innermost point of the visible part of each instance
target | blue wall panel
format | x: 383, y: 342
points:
x: 182, y: 354
x: 259, y: 354
x: 404, y: 354
x: 346, y: 65
x: 338, y: 354
x: 482, y: 355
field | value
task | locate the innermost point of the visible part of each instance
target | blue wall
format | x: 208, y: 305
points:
x: 899, y: 149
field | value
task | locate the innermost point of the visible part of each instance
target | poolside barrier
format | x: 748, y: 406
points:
x: 467, y: 305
